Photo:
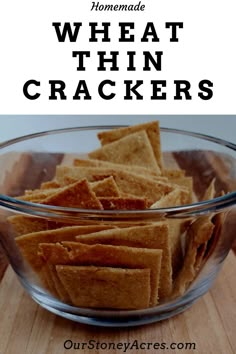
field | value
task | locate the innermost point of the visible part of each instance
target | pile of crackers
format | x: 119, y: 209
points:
x: 115, y: 265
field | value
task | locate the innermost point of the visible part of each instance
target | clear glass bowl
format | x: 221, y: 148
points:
x: 29, y: 160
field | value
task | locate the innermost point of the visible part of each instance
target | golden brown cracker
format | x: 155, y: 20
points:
x: 75, y: 253
x: 105, y: 188
x: 78, y: 194
x: 114, y: 166
x: 210, y: 191
x: 49, y: 185
x: 47, y: 281
x: 28, y: 243
x: 175, y: 234
x: 178, y: 196
x: 56, y: 286
x: 199, y: 232
x: 21, y: 225
x: 127, y: 182
x: 38, y: 195
x: 134, y: 149
x: 187, y: 183
x: 78, y: 173
x: 139, y: 186
x: 106, y: 287
x: 173, y: 173
x: 153, y: 236
x: 153, y: 132
x: 120, y: 203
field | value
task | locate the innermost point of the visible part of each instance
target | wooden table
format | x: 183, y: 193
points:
x: 27, y: 328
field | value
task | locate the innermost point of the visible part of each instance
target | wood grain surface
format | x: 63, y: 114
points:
x: 27, y: 328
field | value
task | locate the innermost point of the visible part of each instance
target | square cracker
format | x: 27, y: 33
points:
x: 75, y: 253
x: 105, y: 188
x: 152, y: 129
x: 123, y: 203
x: 178, y: 196
x: 173, y: 173
x: 105, y: 164
x: 49, y: 185
x: 184, y: 182
x: 78, y: 194
x: 210, y: 191
x: 198, y: 236
x: 153, y: 236
x: 127, y: 182
x: 106, y: 287
x: 199, y: 232
x: 133, y: 149
x: 140, y: 186
x: 20, y: 224
x: 38, y: 195
x: 28, y: 243
x: 56, y: 287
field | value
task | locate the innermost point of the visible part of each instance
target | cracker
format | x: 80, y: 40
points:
x: 49, y: 185
x: 185, y: 182
x: 38, y: 195
x: 75, y: 253
x: 153, y: 132
x: 47, y: 281
x: 56, y: 287
x: 105, y: 188
x: 78, y: 194
x: 173, y: 173
x: 177, y: 229
x: 210, y: 191
x: 127, y: 182
x: 28, y: 243
x: 199, y: 232
x: 153, y: 236
x: 77, y: 173
x: 134, y: 149
x: 119, y: 203
x: 105, y: 164
x: 139, y: 186
x: 21, y: 225
x: 106, y: 287
x: 178, y: 196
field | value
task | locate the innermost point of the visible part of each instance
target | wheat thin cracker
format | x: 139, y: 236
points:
x: 38, y: 195
x: 105, y: 164
x: 139, y: 186
x: 153, y: 236
x: 134, y: 149
x: 105, y: 188
x: 128, y: 203
x: 28, y: 243
x: 178, y: 196
x: 199, y: 232
x: 78, y: 194
x: 21, y: 225
x: 49, y: 185
x: 152, y: 129
x: 75, y: 253
x: 173, y: 173
x: 55, y: 283
x: 106, y: 287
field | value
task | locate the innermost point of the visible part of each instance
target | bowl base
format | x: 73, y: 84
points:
x: 111, y: 321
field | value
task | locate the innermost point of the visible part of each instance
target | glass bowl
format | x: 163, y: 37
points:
x: 28, y: 161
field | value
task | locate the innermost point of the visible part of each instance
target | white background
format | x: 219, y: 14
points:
x: 29, y: 49
x: 220, y: 126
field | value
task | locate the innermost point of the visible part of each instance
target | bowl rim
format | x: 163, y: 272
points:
x: 41, y: 210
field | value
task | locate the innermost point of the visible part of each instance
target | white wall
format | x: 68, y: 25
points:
x: 216, y: 125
